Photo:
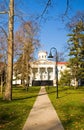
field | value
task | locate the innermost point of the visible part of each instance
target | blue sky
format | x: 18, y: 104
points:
x: 52, y: 31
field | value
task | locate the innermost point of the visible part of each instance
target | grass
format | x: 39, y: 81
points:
x: 14, y: 114
x: 69, y: 106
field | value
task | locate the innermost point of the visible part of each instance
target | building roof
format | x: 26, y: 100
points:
x: 62, y: 63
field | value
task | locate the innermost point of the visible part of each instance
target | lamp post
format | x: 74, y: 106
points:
x: 56, y: 68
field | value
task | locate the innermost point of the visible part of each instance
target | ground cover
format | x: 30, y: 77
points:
x: 14, y: 114
x: 69, y: 106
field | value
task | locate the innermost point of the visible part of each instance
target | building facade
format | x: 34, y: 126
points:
x: 43, y: 71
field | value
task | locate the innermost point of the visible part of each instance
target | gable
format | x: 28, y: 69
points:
x: 43, y: 62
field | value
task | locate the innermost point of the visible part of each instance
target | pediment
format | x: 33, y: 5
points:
x: 38, y: 62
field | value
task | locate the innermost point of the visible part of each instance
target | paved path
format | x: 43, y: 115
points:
x: 43, y: 116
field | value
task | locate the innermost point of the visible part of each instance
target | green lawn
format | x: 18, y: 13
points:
x: 69, y: 106
x: 14, y: 114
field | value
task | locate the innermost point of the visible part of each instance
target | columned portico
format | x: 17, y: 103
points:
x: 42, y: 73
x: 43, y: 69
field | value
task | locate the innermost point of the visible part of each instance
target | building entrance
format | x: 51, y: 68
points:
x: 42, y: 83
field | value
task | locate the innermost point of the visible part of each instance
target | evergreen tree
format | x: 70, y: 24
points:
x: 65, y: 78
x: 76, y: 47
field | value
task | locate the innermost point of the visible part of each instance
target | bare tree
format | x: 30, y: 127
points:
x: 2, y: 75
x: 25, y: 39
x: 8, y: 89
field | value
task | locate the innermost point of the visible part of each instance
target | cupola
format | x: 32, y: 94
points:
x: 42, y: 55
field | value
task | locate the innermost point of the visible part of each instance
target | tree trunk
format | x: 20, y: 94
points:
x: 8, y: 89
x: 76, y: 84
x: 1, y: 84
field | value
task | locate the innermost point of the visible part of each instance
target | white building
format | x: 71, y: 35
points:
x: 43, y: 71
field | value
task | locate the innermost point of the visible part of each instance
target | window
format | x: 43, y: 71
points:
x: 61, y: 67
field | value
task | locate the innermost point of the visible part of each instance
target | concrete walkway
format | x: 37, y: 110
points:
x: 43, y: 116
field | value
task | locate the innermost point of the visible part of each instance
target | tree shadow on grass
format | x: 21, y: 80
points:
x: 32, y: 96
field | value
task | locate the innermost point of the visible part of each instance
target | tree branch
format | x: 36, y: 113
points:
x: 65, y: 14
x: 4, y: 31
x: 4, y: 12
x: 67, y: 7
x: 45, y: 9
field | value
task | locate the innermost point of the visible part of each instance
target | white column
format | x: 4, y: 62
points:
x: 46, y: 73
x: 38, y: 73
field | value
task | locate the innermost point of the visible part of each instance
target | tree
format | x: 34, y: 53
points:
x: 2, y: 75
x: 3, y: 57
x: 76, y: 47
x: 8, y: 89
x: 65, y: 78
x: 26, y: 40
x: 61, y: 56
